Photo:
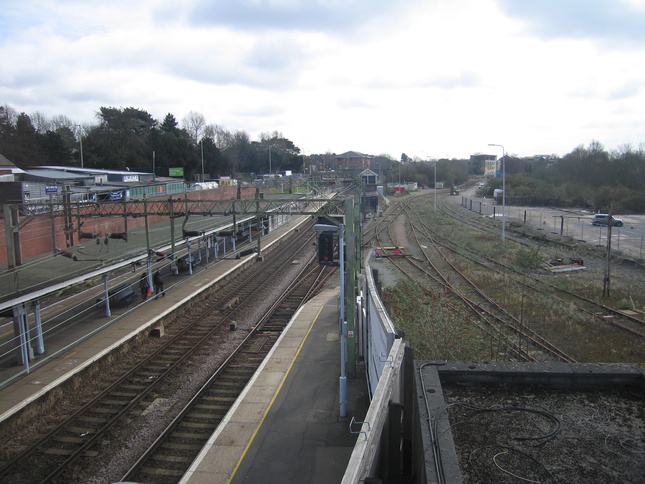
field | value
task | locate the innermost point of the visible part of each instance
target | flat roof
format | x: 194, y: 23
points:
x: 543, y: 422
x: 77, y: 169
x: 55, y: 174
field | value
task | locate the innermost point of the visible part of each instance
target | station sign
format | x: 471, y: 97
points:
x: 51, y: 189
x: 176, y: 171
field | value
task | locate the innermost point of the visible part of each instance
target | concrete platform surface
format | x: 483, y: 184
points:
x: 286, y: 427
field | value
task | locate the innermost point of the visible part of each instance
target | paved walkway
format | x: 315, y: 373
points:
x: 286, y: 426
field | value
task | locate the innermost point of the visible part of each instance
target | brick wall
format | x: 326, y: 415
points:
x: 36, y: 235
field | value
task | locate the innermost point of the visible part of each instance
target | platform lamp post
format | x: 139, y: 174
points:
x: 503, y: 191
x: 342, y: 323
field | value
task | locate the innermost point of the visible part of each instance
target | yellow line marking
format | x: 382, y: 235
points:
x: 70, y: 355
x: 275, y: 395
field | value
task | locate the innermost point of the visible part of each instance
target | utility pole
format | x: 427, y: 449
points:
x: 607, y: 280
x: 350, y: 291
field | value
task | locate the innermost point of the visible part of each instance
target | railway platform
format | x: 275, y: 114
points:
x: 285, y: 426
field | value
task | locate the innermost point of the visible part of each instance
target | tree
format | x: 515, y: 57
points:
x: 194, y: 124
x: 40, y: 122
x: 27, y: 147
x: 169, y: 124
x: 121, y: 138
x: 56, y: 149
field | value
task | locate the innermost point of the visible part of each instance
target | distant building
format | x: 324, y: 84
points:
x: 353, y: 160
x: 227, y: 181
x: 490, y: 166
x: 368, y: 177
x: 482, y: 164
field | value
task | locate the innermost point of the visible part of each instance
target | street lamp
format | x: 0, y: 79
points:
x: 202, y: 144
x: 503, y: 191
x: 342, y: 323
x: 80, y: 139
x: 435, y: 186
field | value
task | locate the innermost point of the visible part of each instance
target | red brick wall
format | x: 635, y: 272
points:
x: 36, y: 235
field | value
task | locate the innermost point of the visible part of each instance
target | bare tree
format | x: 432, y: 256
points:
x: 266, y: 136
x: 194, y: 124
x: 61, y: 121
x: 41, y: 122
x: 8, y: 115
x: 223, y: 138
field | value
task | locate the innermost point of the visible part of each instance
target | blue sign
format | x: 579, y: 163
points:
x: 116, y: 195
x: 51, y: 189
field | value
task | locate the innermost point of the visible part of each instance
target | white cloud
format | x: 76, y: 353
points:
x: 433, y: 77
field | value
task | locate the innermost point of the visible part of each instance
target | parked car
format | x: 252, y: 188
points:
x: 603, y: 219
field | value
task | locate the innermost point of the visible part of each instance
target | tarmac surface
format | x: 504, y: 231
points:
x: 286, y: 427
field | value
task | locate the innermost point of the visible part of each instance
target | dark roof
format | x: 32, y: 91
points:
x: 353, y: 154
x: 5, y: 164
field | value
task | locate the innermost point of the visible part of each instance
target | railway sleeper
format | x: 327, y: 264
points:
x: 151, y: 471
x: 133, y: 386
x: 111, y: 410
x: 196, y: 425
x: 179, y: 447
x: 231, y: 382
x: 189, y: 436
x: 211, y: 408
x: 173, y: 458
x: 129, y: 395
x: 120, y: 402
x: 82, y: 430
x: 94, y: 420
x: 204, y: 415
x: 239, y: 374
x: 67, y: 452
x: 69, y: 440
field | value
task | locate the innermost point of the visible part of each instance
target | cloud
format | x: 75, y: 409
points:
x: 626, y: 91
x: 293, y: 15
x: 617, y: 22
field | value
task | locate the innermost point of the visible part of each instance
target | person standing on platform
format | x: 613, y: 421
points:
x: 157, y: 280
x: 144, y: 286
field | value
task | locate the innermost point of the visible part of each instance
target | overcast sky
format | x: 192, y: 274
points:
x: 429, y: 78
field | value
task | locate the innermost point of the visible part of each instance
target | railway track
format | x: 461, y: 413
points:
x: 442, y: 256
x: 591, y: 308
x: 170, y: 456
x: 58, y: 455
x: 504, y: 324
x: 440, y: 275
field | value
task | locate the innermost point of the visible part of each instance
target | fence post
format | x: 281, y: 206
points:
x: 618, y: 247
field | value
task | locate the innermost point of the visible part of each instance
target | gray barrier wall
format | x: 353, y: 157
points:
x: 383, y: 353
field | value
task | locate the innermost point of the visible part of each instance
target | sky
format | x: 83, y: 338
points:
x: 429, y: 78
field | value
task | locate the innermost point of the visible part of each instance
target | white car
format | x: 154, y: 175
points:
x: 603, y: 219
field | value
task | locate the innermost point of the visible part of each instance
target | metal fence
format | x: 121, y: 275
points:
x: 563, y: 223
